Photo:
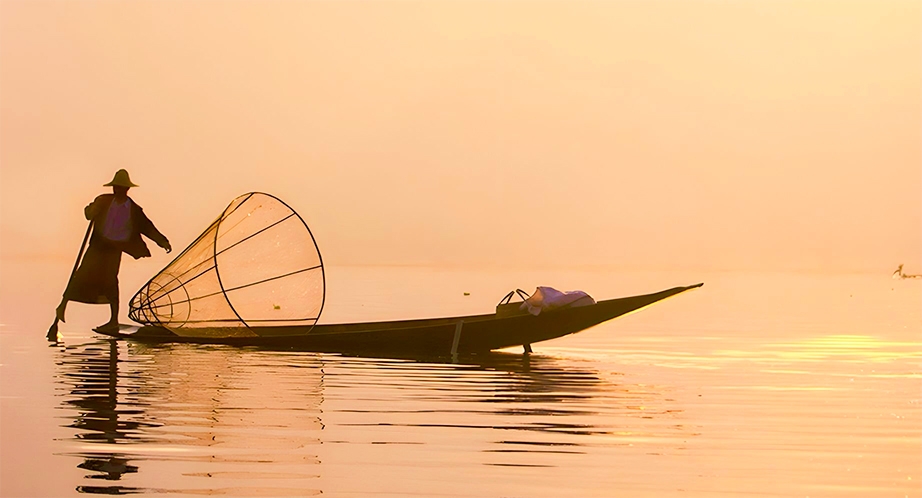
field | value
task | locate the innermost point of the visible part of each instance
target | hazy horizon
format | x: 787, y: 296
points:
x: 750, y: 135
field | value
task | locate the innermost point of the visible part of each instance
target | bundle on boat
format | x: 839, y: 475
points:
x: 256, y: 265
x: 543, y: 299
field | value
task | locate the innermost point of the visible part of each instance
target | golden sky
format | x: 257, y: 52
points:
x: 753, y: 134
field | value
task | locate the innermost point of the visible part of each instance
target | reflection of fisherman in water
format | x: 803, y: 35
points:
x: 95, y: 378
x: 899, y: 273
x: 187, y: 409
x: 118, y: 223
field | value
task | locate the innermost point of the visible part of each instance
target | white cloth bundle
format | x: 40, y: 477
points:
x: 548, y: 298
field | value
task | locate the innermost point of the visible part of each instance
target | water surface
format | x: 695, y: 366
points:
x: 756, y: 384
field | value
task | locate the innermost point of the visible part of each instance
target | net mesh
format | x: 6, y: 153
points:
x: 256, y: 265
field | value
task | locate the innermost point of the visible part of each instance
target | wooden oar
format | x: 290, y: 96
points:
x: 53, y: 330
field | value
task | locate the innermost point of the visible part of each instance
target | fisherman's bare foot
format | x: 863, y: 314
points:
x: 107, y: 327
x: 59, y: 312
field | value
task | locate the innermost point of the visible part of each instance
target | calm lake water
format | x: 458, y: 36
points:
x: 772, y: 384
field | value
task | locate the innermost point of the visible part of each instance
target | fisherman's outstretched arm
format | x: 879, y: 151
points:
x: 149, y: 230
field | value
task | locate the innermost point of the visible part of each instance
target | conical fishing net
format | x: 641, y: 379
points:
x: 256, y: 265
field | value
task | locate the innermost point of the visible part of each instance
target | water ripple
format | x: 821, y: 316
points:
x: 187, y: 419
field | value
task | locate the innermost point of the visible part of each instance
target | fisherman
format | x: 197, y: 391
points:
x: 118, y: 223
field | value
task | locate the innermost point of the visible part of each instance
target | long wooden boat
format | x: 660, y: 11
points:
x: 439, y: 336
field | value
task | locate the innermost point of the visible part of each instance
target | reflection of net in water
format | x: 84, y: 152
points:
x: 256, y: 265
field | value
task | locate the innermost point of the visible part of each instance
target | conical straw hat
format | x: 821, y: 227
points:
x: 120, y: 179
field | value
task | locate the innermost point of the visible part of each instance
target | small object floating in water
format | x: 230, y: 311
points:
x: 899, y: 274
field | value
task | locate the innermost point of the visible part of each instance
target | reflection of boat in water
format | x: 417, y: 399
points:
x: 257, y: 421
x: 461, y: 334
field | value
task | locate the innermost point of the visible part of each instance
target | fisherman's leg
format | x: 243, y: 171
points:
x: 112, y: 297
x: 52, y: 334
x: 59, y: 311
x: 113, y: 308
x: 112, y: 324
x: 111, y: 288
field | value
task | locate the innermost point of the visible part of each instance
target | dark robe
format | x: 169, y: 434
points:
x: 96, y: 280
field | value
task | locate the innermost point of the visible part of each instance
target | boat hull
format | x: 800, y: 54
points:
x: 461, y: 334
